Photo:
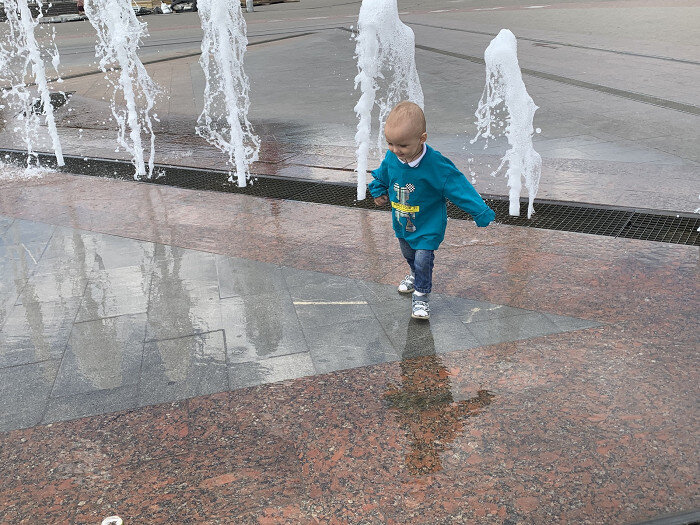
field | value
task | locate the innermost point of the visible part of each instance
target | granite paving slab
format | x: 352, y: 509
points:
x: 35, y: 332
x: 114, y: 292
x: 175, y: 369
x: 24, y: 393
x: 271, y: 370
x: 261, y: 326
x: 102, y: 354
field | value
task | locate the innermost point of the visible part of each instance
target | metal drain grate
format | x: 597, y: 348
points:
x: 563, y: 217
x: 648, y: 225
x: 664, y: 228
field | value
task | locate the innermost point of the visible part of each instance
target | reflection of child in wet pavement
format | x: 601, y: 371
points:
x: 423, y: 402
x: 417, y: 180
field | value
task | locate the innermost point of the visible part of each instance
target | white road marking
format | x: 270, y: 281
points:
x: 30, y: 253
x: 328, y: 302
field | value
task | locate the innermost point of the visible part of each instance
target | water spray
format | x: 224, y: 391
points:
x: 505, y: 89
x: 19, y: 55
x: 224, y: 119
x: 119, y: 36
x: 387, y: 74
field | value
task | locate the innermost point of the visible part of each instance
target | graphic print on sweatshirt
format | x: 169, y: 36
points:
x: 402, y: 208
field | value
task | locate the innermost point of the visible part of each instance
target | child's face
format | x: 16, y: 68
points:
x: 404, y: 141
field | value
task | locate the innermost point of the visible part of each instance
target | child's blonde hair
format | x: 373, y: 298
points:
x: 407, y: 112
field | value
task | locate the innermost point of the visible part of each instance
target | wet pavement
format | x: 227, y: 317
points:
x: 116, y: 323
x: 181, y: 356
x: 555, y: 382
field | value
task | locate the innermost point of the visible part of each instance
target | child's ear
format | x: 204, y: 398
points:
x: 423, y: 138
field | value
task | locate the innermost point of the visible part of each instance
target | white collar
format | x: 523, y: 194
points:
x: 415, y: 162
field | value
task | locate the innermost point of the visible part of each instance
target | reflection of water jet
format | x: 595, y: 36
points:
x: 387, y: 74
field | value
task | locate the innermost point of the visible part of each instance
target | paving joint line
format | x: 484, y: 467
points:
x: 177, y: 337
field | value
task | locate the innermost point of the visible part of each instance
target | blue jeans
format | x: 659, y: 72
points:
x: 421, y: 263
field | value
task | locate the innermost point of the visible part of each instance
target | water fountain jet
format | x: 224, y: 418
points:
x: 119, y: 35
x: 19, y: 54
x: 387, y: 74
x: 224, y: 119
x: 505, y: 89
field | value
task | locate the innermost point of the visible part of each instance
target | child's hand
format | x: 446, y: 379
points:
x: 381, y: 200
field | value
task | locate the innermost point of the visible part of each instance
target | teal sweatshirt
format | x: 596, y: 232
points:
x: 418, y: 197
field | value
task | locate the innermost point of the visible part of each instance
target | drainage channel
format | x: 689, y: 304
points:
x: 612, y: 221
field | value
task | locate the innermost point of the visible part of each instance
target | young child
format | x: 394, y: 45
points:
x: 417, y: 179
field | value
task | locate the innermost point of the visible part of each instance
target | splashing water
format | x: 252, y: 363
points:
x: 19, y: 54
x: 505, y: 87
x: 387, y: 74
x: 224, y: 119
x: 12, y: 172
x: 119, y: 35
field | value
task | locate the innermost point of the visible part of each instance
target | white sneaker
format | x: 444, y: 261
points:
x: 408, y: 284
x: 420, y: 307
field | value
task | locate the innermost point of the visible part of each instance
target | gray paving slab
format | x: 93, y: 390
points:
x: 91, y: 403
x: 178, y: 308
x: 271, y: 370
x: 298, y: 279
x: 24, y: 392
x: 52, y: 287
x: 101, y: 355
x: 411, y: 337
x: 513, y: 328
x: 7, y: 302
x: 70, y: 243
x: 117, y: 291
x: 185, y: 367
x: 344, y: 346
x: 105, y: 252
x: 568, y: 324
x: 14, y: 274
x: 20, y: 250
x: 36, y: 332
x: 5, y: 223
x: 27, y: 232
x: 470, y: 311
x: 313, y: 315
x: 261, y: 326
x: 189, y: 266
x: 68, y: 265
x: 239, y: 277
x: 333, y: 288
